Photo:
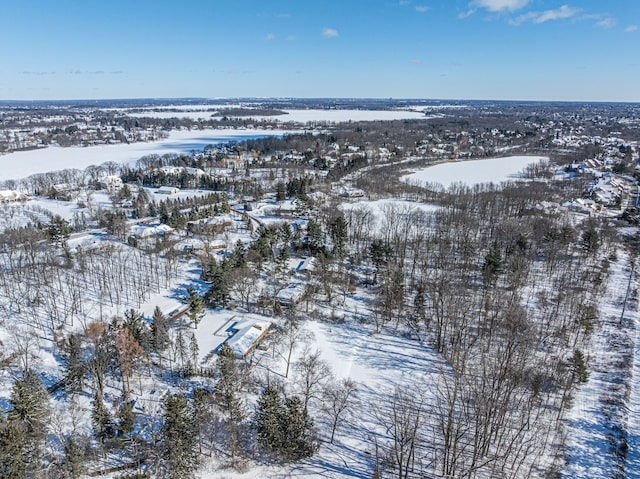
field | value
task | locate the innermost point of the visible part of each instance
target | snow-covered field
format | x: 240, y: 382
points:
x: 473, y: 172
x: 24, y: 163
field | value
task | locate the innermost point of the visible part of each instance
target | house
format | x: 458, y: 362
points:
x: 305, y: 265
x: 168, y: 190
x: 63, y: 191
x: 245, y: 335
x: 290, y: 295
x: 143, y: 235
x: 213, y: 224
x: 178, y: 170
x: 113, y: 183
x: 11, y: 196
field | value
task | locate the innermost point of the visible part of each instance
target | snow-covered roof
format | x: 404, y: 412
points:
x: 246, y: 334
x: 290, y: 294
x: 168, y: 190
x: 305, y: 264
x: 12, y: 195
x: 144, y: 231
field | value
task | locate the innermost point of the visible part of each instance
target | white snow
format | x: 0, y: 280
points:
x: 297, y: 116
x: 593, y: 423
x: 380, y: 209
x: 473, y: 172
x: 24, y: 163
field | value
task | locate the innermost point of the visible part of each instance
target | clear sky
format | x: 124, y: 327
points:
x: 449, y: 49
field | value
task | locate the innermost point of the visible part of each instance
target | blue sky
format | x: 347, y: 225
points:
x: 574, y: 50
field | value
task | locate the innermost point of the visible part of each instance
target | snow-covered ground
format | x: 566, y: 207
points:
x: 80, y: 207
x: 377, y: 363
x: 473, y: 172
x: 380, y: 209
x: 24, y: 163
x: 597, y: 424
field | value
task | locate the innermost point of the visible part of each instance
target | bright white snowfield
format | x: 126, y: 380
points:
x: 24, y: 163
x: 473, y: 172
x: 296, y: 116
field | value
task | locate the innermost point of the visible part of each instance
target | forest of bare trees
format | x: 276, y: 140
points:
x: 502, y: 296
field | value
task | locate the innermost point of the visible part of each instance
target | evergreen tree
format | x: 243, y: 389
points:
x: 126, y: 416
x: 280, y: 192
x: 238, y: 257
x: 314, y: 236
x: 339, y: 233
x: 284, y: 233
x: 75, y: 368
x: 268, y: 419
x: 30, y: 404
x: 590, y: 240
x: 282, y: 260
x: 224, y: 205
x: 492, y: 264
x: 581, y: 373
x: 14, y: 448
x: 178, y: 439
x: 380, y: 253
x: 73, y: 466
x: 299, y: 438
x: 58, y: 230
x: 159, y: 331
x: 194, y: 351
x: 134, y: 322
x: 26, y: 424
x: 181, y: 348
x: 125, y: 193
x: 101, y: 419
x: 218, y: 293
x: 227, y: 391
x: 229, y: 383
x: 196, y: 307
x: 284, y: 427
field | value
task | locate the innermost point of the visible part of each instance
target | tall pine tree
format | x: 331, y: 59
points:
x: 268, y: 419
x: 299, y: 437
x: 178, y: 458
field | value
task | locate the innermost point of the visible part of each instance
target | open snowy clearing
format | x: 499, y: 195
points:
x: 377, y: 362
x: 24, y: 163
x: 473, y: 172
x: 380, y: 209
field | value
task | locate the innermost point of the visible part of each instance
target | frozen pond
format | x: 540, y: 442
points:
x: 473, y: 172
x: 24, y: 163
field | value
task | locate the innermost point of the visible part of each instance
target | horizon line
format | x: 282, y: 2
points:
x: 320, y: 98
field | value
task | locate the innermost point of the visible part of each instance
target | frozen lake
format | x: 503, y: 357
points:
x: 297, y: 116
x: 24, y: 163
x: 473, y: 172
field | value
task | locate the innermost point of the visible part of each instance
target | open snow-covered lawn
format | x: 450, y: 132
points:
x: 377, y: 363
x: 473, y: 172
